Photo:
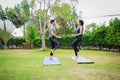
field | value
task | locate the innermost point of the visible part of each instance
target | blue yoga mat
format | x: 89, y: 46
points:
x: 82, y: 60
x: 55, y: 61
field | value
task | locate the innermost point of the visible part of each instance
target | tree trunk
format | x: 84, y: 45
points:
x: 5, y: 42
x: 62, y: 30
x: 31, y: 44
x: 28, y: 46
x: 5, y: 45
x: 118, y: 49
x: 109, y: 47
x: 43, y: 41
x: 42, y: 36
x: 100, y: 48
x: 24, y: 31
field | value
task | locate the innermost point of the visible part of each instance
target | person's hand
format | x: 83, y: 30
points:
x: 58, y: 37
x: 73, y: 35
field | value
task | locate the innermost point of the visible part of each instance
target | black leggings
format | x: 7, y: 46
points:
x: 75, y: 43
x: 54, y: 43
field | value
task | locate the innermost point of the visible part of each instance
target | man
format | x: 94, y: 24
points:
x: 52, y: 34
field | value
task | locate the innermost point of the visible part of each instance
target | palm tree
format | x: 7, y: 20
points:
x: 32, y: 35
x: 5, y: 36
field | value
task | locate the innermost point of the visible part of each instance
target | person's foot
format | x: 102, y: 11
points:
x: 52, y: 52
x: 76, y: 58
x: 51, y: 58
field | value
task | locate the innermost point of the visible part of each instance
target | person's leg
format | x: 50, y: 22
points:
x: 57, y: 44
x: 74, y: 44
x: 53, y: 46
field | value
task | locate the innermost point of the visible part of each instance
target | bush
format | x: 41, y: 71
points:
x: 16, y: 41
x: 37, y: 42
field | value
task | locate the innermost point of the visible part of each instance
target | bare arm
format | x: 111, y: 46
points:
x: 81, y: 32
x: 53, y: 34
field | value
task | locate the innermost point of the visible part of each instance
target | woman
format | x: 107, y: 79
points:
x: 78, y: 35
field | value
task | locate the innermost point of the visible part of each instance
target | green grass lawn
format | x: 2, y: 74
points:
x: 25, y: 64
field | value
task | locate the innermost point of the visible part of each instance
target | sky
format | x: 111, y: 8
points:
x: 93, y: 8
x: 89, y: 8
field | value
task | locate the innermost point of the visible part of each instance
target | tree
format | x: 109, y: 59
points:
x: 13, y: 17
x: 32, y: 35
x: 63, y: 15
x: 41, y: 16
x: 74, y: 18
x: 99, y: 36
x: 5, y: 36
x: 91, y: 27
x: 25, y: 15
x: 2, y: 16
x: 19, y: 15
x: 113, y: 34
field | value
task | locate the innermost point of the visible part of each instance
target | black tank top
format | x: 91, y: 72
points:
x: 78, y: 31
